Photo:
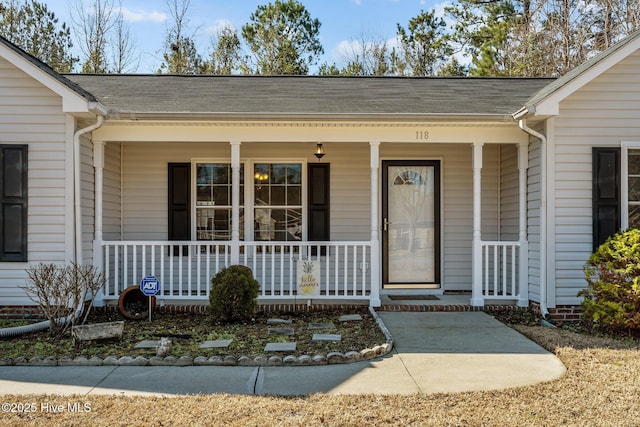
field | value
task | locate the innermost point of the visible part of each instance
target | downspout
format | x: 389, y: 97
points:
x: 543, y: 214
x: 76, y: 185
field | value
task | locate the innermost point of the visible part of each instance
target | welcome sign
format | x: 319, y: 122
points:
x: 308, y: 275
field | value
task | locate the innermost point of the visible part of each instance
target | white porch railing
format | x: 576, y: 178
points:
x: 185, y: 268
x: 503, y: 271
x: 344, y: 267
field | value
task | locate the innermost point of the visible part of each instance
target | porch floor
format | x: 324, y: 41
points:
x: 441, y: 302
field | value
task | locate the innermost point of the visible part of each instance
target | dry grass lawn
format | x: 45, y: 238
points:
x: 601, y: 388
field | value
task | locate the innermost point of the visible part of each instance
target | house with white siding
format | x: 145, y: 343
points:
x: 497, y: 189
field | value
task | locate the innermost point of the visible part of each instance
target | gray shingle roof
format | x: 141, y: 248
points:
x: 309, y: 95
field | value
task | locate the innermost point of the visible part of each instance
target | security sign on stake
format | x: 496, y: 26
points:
x: 150, y: 286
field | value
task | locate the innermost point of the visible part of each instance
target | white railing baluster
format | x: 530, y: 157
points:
x: 500, y: 274
x: 125, y: 262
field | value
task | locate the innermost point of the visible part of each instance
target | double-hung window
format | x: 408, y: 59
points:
x: 277, y: 201
x: 213, y: 201
x: 13, y: 203
x: 630, y: 185
x: 273, y: 205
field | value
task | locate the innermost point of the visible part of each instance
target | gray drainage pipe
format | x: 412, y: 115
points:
x: 26, y: 329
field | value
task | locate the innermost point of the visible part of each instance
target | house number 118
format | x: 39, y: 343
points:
x: 422, y: 135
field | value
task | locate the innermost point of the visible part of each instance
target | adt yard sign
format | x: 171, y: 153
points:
x: 149, y: 286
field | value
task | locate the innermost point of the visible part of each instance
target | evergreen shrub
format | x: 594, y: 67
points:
x: 234, y: 293
x: 612, y: 299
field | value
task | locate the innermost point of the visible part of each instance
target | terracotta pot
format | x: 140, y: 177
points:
x: 134, y: 305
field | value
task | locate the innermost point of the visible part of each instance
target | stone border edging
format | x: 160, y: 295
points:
x: 330, y: 358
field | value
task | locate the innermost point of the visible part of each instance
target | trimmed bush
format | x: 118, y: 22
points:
x: 612, y: 300
x: 233, y: 294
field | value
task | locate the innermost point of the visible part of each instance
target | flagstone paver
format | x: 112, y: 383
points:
x: 147, y: 344
x: 326, y: 337
x: 216, y: 344
x: 280, y: 346
x: 349, y: 317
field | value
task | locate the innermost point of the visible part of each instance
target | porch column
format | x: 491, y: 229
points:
x: 235, y: 202
x: 476, y: 279
x: 523, y: 276
x: 98, y: 164
x: 374, y: 297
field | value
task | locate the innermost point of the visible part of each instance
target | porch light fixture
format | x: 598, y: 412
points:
x: 319, y: 151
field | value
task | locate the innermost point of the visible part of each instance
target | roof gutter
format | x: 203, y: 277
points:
x: 350, y: 117
x: 522, y: 123
x: 76, y: 185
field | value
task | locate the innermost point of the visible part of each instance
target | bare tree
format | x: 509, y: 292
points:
x: 125, y: 58
x: 180, y: 55
x: 92, y: 22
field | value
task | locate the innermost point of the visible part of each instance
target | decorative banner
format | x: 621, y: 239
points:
x: 308, y: 278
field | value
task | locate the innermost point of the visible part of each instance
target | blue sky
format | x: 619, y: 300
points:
x: 343, y: 21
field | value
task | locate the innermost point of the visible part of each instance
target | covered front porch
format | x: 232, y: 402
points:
x: 480, y: 246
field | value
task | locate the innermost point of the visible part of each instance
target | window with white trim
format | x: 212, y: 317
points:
x: 630, y: 178
x: 277, y: 201
x: 213, y: 201
x: 274, y: 204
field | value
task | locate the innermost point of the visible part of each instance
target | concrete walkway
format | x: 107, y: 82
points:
x: 434, y: 352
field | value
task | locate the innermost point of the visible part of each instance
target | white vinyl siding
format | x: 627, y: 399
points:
x: 509, y: 193
x: 31, y: 114
x: 87, y: 191
x: 112, y: 202
x: 533, y: 219
x: 603, y: 113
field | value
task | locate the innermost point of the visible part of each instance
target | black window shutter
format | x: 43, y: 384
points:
x: 13, y: 203
x: 179, y: 203
x: 318, y: 202
x: 606, y: 193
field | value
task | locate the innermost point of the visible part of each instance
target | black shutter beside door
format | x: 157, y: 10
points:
x: 606, y: 193
x: 179, y: 204
x: 318, y: 203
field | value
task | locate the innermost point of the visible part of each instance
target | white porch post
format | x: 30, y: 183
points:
x: 374, y: 297
x: 523, y: 277
x: 476, y: 269
x: 98, y: 164
x: 235, y: 202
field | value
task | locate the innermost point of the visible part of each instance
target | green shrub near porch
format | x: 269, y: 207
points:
x: 234, y: 294
x: 612, y: 300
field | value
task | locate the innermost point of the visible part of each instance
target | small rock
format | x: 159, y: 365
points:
x: 65, y: 361
x: 95, y: 361
x: 185, y: 361
x: 335, y: 357
x: 20, y: 361
x: 290, y: 360
x: 108, y: 361
x: 275, y: 361
x: 201, y: 361
x: 229, y: 361
x: 305, y: 360
x: 80, y: 361
x: 216, y: 361
x: 352, y: 356
x: 260, y: 360
x: 245, y: 361
x: 35, y: 361
x: 367, y: 353
x: 6, y: 361
x: 319, y: 359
